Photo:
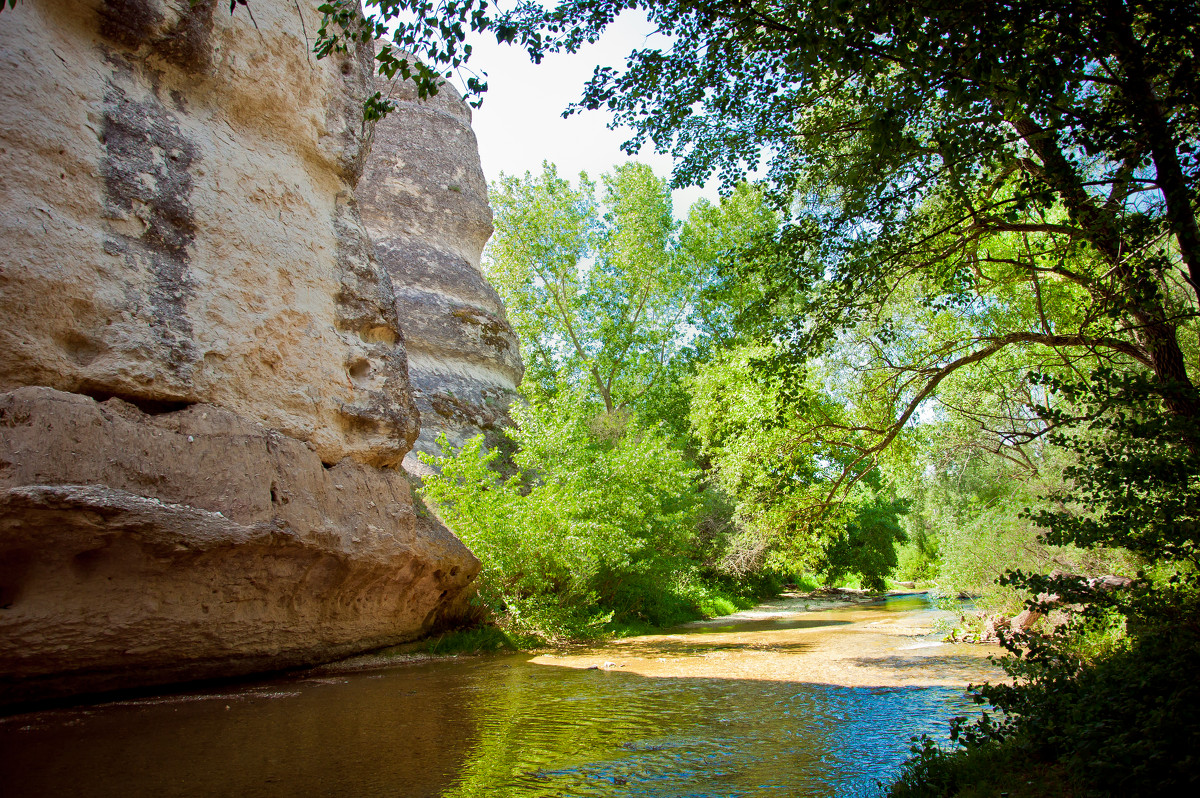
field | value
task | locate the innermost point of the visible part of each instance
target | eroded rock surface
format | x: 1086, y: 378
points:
x: 194, y: 544
x: 424, y: 202
x: 178, y: 221
x: 205, y: 387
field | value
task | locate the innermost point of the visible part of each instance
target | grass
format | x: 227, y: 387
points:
x: 808, y: 583
x: 698, y: 602
x: 487, y: 638
x: 650, y: 612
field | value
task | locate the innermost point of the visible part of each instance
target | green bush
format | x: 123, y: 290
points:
x: 1114, y: 719
x: 597, y: 527
x: 1108, y: 698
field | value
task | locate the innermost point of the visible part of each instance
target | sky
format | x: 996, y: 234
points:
x: 520, y: 123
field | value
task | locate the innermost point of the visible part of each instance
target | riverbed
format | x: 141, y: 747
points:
x: 793, y: 698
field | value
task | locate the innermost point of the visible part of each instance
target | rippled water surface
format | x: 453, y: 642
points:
x: 509, y: 726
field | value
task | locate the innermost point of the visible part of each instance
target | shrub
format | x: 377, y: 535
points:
x: 594, y: 527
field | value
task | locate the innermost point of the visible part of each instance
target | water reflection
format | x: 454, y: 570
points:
x: 569, y: 732
x: 500, y: 726
x: 911, y: 602
x: 769, y: 625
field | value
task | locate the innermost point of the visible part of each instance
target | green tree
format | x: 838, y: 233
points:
x: 784, y: 479
x: 867, y: 546
x: 594, y: 289
x: 718, y: 241
x: 589, y: 529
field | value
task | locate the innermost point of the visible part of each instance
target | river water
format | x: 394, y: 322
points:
x: 779, y: 701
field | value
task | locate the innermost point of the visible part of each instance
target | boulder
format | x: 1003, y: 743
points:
x: 1024, y: 621
x: 1110, y: 582
x: 993, y: 625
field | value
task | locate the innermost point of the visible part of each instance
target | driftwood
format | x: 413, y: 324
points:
x: 1028, y: 617
x: 995, y: 625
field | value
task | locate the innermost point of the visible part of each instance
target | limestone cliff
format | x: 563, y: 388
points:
x: 424, y: 203
x: 204, y: 393
x: 180, y: 225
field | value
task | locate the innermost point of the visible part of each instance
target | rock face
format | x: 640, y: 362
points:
x: 424, y: 203
x: 179, y: 220
x: 205, y: 396
x: 196, y: 543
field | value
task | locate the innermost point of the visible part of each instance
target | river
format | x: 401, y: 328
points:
x: 782, y: 700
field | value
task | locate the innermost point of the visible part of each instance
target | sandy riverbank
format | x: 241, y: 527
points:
x: 801, y: 638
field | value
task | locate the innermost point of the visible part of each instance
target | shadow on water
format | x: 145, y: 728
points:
x: 692, y: 647
x: 944, y: 665
x: 769, y: 625
x: 489, y: 726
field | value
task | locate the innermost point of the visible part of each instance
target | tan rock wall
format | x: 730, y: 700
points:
x: 138, y: 549
x: 178, y: 222
x: 424, y: 202
x: 204, y: 394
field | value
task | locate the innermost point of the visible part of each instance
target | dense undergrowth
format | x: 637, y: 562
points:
x: 1122, y: 723
x: 1104, y: 703
x: 593, y: 535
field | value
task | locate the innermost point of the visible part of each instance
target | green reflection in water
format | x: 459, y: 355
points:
x: 558, y: 731
x: 910, y: 603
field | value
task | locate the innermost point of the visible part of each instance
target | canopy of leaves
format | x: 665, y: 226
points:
x: 594, y: 288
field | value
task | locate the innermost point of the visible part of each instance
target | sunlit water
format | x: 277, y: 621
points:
x: 507, y: 726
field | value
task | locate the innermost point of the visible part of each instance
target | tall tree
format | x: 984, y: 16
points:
x: 957, y: 151
x: 718, y: 240
x: 595, y: 289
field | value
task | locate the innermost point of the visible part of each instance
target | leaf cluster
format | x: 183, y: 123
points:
x: 593, y: 528
x: 421, y: 40
x: 594, y: 286
x: 1136, y: 480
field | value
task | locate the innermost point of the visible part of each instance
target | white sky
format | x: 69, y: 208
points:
x: 520, y: 124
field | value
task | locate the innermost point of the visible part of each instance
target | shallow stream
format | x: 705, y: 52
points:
x: 777, y: 701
